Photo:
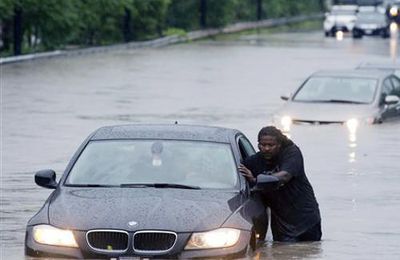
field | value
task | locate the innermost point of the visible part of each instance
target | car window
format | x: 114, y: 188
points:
x: 387, y: 89
x: 203, y: 164
x: 333, y: 89
x: 396, y: 86
x: 246, y: 148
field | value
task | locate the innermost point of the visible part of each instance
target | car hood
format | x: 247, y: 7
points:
x: 326, y: 112
x: 344, y: 18
x: 178, y: 210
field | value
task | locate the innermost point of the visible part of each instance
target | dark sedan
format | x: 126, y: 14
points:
x: 371, y: 23
x: 164, y: 191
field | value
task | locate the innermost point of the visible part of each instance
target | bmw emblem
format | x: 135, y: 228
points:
x: 132, y: 223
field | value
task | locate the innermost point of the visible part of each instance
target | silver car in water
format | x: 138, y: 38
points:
x: 348, y: 97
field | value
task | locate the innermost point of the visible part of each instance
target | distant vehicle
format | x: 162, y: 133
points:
x: 349, y: 97
x: 371, y: 23
x: 389, y: 67
x: 150, y: 191
x: 393, y: 10
x: 341, y: 18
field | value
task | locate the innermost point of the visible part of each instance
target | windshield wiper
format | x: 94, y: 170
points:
x: 136, y: 185
x: 339, y: 101
x: 159, y: 185
x: 90, y: 185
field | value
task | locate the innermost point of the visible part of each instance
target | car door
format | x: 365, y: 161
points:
x: 254, y: 208
x: 388, y: 111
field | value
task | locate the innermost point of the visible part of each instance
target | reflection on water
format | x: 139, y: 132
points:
x: 339, y: 35
x: 394, y: 37
x: 352, y: 145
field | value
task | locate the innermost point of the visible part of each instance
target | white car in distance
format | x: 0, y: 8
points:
x: 340, y: 18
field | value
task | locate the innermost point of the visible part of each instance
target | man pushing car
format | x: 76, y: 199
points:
x: 295, y: 213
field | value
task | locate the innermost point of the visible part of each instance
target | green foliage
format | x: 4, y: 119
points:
x: 183, y: 14
x: 174, y: 31
x: 99, y: 21
x: 49, y: 21
x: 220, y: 12
x: 245, y: 10
x: 6, y: 9
x: 51, y: 24
x: 148, y: 18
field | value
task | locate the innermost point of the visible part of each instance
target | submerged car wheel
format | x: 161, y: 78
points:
x: 357, y: 35
x: 385, y: 34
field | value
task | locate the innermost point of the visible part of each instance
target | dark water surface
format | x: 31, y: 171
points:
x: 49, y: 106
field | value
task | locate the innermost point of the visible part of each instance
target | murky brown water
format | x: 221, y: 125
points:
x: 50, y: 106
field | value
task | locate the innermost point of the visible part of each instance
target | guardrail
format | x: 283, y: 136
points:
x: 164, y: 41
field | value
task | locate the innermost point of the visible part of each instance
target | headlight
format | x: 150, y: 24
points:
x: 352, y: 125
x: 49, y: 235
x: 222, y: 237
x: 286, y: 122
x: 394, y: 11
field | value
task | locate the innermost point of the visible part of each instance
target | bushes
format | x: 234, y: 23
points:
x: 36, y: 25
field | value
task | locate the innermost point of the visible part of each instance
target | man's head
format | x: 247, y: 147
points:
x: 270, y: 141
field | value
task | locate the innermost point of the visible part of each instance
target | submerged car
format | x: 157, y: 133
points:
x: 340, y: 18
x: 163, y: 191
x: 371, y: 23
x: 348, y: 97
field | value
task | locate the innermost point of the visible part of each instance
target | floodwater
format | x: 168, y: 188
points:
x: 49, y: 106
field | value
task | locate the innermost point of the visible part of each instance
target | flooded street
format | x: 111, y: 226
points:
x: 50, y: 106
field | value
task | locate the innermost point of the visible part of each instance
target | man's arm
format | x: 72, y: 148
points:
x: 283, y: 176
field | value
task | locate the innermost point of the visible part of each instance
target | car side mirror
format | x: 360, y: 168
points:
x: 391, y: 99
x: 285, y: 97
x: 46, y: 179
x: 266, y: 183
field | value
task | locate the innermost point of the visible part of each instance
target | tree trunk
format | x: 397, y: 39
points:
x: 6, y: 35
x: 17, y: 31
x: 259, y: 10
x: 203, y: 14
x: 126, y: 30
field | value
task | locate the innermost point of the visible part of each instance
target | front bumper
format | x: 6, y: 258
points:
x: 34, y: 249
x: 372, y: 31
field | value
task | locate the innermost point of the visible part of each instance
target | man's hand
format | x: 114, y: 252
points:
x: 247, y: 173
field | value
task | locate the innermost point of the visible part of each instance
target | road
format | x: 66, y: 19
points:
x: 50, y: 106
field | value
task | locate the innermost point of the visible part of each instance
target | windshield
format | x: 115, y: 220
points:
x: 130, y: 162
x: 336, y: 89
x: 371, y: 17
x: 343, y: 12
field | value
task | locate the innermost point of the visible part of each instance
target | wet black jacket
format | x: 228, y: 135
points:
x: 293, y: 206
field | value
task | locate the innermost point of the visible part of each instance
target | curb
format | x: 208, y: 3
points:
x: 164, y: 41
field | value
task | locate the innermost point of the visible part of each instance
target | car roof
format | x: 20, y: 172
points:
x: 373, y: 74
x: 165, y: 131
x: 381, y: 66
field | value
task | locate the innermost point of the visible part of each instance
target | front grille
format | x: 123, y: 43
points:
x: 154, y: 241
x: 108, y: 240
x: 313, y: 122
